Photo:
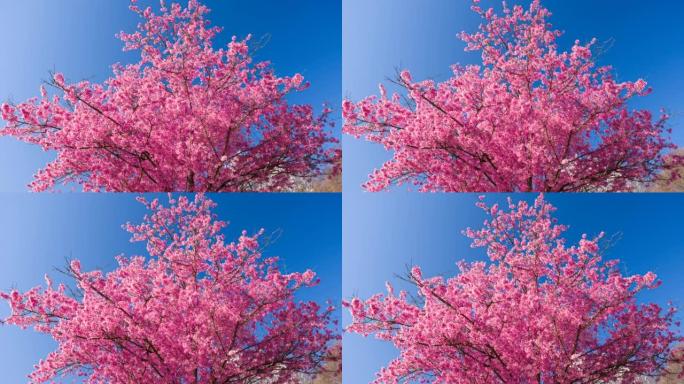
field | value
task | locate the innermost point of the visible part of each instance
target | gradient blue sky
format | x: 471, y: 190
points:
x: 383, y: 233
x: 41, y: 231
x: 77, y: 38
x: 382, y: 36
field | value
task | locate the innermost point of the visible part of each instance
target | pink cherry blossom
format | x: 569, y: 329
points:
x: 531, y: 117
x: 539, y: 310
x: 185, y: 117
x: 198, y: 310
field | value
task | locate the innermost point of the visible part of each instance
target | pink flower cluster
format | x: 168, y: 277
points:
x: 539, y: 311
x: 530, y: 118
x: 186, y: 117
x: 199, y: 310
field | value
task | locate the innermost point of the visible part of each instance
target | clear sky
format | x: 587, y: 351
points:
x: 383, y: 233
x: 382, y: 36
x: 77, y: 38
x: 41, y: 231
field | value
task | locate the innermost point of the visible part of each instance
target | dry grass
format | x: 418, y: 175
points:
x: 663, y: 185
x: 330, y: 182
x: 674, y: 369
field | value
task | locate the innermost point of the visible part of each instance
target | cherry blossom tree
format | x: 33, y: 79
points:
x: 198, y: 310
x: 185, y: 117
x: 531, y: 117
x: 539, y: 311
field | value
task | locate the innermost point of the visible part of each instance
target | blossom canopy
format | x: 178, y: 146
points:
x: 539, y: 310
x: 199, y: 309
x: 530, y: 117
x: 185, y: 117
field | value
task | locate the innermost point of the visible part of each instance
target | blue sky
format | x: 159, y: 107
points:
x: 77, y: 38
x: 41, y: 231
x: 383, y: 233
x: 381, y: 36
